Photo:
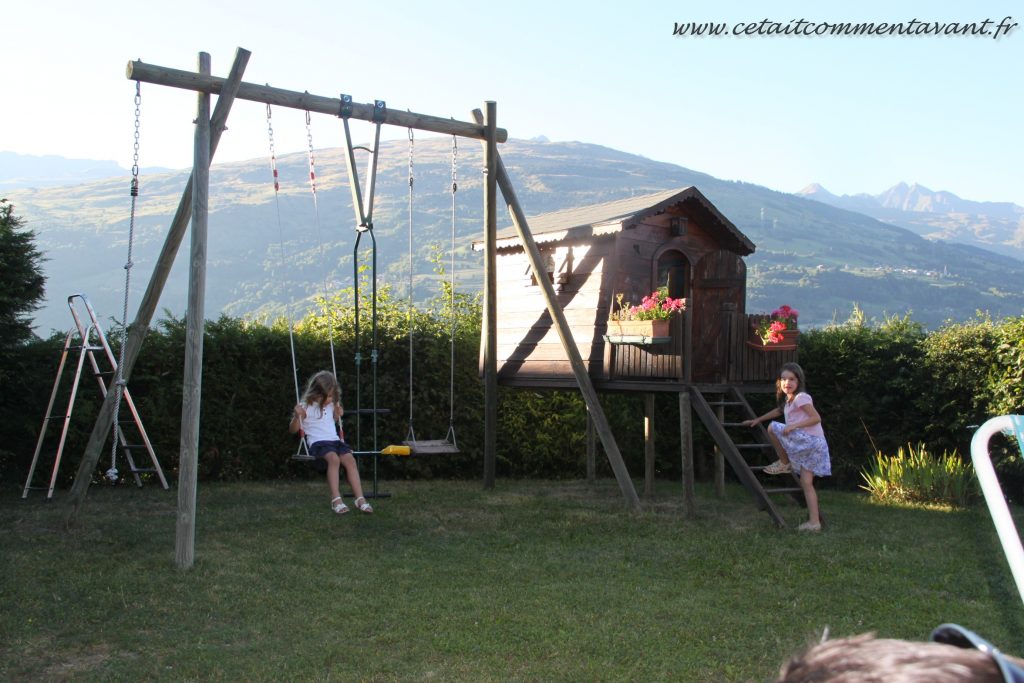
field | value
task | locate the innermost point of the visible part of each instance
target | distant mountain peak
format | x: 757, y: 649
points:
x: 814, y: 191
x: 938, y: 215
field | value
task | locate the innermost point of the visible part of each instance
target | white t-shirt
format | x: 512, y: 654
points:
x: 319, y: 423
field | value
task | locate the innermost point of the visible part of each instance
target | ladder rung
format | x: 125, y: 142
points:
x: 725, y: 403
x: 790, y: 489
x: 57, y: 416
x: 103, y: 373
x: 133, y: 446
x: 140, y: 470
x: 753, y: 445
x: 733, y: 424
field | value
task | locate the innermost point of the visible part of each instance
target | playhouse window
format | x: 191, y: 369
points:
x: 558, y: 271
x: 672, y: 273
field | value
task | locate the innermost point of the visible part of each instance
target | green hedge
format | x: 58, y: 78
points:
x: 878, y: 387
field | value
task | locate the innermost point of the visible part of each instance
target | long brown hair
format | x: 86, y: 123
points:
x: 322, y: 387
x: 801, y: 382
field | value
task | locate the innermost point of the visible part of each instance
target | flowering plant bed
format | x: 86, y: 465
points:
x: 776, y: 331
x: 638, y: 331
x: 645, y: 323
x: 657, y: 305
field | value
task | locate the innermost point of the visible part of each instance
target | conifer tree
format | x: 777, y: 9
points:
x: 22, y: 283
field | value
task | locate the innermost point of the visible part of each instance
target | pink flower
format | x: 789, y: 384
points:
x: 655, y: 306
x: 772, y: 326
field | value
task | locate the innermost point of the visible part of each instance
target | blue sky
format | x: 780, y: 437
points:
x: 856, y: 114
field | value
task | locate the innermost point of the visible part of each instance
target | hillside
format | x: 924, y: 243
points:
x: 28, y: 170
x: 818, y: 258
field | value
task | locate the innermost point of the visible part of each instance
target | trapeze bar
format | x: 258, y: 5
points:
x: 188, y: 80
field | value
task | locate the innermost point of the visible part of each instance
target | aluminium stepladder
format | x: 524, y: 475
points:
x: 88, y: 341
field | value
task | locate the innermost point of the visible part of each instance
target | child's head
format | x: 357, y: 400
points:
x: 865, y: 658
x: 323, y: 387
x: 790, y: 371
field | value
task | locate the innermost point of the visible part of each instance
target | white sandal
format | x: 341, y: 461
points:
x: 777, y: 467
x: 364, y: 506
x: 339, y: 507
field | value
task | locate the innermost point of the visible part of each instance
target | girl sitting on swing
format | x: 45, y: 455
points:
x: 317, y: 417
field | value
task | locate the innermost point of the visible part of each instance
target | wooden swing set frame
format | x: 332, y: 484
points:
x: 194, y: 207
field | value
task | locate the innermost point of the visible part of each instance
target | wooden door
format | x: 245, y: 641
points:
x: 719, y: 291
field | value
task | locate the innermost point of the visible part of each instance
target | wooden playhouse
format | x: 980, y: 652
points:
x: 596, y: 256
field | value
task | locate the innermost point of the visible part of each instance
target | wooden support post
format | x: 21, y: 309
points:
x: 591, y: 450
x: 719, y: 459
x: 572, y: 352
x: 686, y: 446
x: 212, y: 85
x: 147, y: 308
x: 688, y: 345
x: 648, y: 444
x: 490, y: 321
x: 188, y: 463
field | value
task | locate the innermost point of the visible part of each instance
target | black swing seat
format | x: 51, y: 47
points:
x: 432, y: 447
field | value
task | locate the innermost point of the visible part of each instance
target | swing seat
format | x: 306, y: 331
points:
x: 432, y: 447
x: 396, y: 450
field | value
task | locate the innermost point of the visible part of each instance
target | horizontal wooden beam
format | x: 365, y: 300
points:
x: 189, y: 80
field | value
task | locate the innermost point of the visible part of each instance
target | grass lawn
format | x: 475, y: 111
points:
x: 535, y: 581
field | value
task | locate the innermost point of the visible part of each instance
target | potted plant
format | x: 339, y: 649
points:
x: 778, y: 330
x: 649, y: 319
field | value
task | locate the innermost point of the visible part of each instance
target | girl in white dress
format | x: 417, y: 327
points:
x: 800, y: 441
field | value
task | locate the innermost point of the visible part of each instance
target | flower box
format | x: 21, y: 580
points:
x: 638, y: 331
x: 790, y: 339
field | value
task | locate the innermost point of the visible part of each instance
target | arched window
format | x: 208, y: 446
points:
x: 674, y: 273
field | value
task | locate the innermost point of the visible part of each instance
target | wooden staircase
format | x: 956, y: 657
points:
x: 723, y: 411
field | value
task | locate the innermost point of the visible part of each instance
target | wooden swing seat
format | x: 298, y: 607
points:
x: 432, y: 447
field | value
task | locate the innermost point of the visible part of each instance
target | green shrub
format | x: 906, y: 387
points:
x: 877, y: 385
x: 916, y: 476
x: 865, y: 379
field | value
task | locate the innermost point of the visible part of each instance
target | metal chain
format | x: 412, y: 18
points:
x: 412, y: 434
x: 451, y: 388
x: 319, y: 241
x: 280, y: 239
x: 119, y: 381
x: 273, y: 154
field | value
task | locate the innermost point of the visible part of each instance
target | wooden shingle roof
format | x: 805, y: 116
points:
x: 612, y: 217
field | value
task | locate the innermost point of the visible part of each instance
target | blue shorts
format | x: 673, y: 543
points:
x: 322, y: 448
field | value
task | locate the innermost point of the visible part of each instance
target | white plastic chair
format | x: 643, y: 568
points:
x: 997, y: 507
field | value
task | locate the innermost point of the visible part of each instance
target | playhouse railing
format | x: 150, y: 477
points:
x: 993, y: 492
x: 750, y: 362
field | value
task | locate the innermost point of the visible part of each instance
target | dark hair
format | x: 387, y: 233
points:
x: 866, y: 659
x: 801, y: 382
x: 321, y: 387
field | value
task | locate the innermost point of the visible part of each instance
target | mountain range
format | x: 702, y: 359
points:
x: 271, y: 252
x: 996, y: 226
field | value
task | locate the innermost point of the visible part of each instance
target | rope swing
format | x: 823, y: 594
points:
x: 302, y: 452
x: 447, y: 444
x: 119, y: 380
x: 320, y: 244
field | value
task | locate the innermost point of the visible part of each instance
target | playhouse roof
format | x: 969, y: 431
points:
x: 612, y: 217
